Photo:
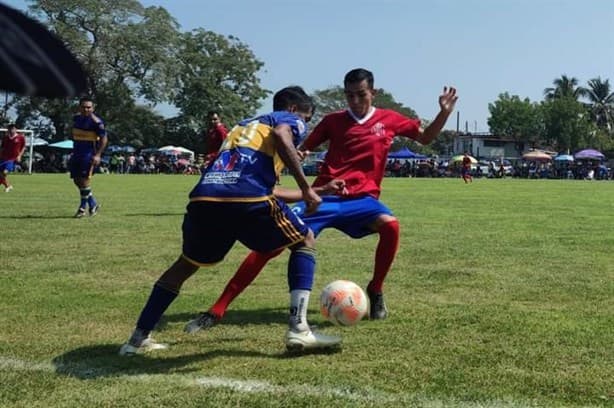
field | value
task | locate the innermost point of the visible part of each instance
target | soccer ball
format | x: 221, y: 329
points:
x: 343, y: 302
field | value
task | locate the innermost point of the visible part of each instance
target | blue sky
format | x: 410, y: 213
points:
x: 414, y: 48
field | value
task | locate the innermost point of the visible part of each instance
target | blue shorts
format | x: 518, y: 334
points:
x: 7, y: 166
x: 210, y: 229
x: 351, y: 216
x: 80, y: 167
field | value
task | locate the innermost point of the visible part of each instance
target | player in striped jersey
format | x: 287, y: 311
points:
x: 234, y: 201
x: 89, y: 141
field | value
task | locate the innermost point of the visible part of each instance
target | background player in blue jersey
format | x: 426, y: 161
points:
x: 234, y: 201
x: 89, y: 141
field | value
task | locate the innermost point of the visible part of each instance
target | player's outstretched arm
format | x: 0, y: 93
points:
x: 292, y: 195
x: 288, y: 154
x: 447, y: 101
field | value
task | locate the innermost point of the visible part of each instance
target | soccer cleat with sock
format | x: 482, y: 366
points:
x: 94, y: 210
x: 8, y: 188
x: 139, y: 343
x: 203, y: 321
x: 80, y: 213
x: 308, y: 340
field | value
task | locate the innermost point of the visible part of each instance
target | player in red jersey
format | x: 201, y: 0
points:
x: 216, y: 134
x: 11, y: 149
x: 359, y: 139
x: 466, y: 168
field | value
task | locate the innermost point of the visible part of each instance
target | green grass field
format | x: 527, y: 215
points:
x: 502, y: 295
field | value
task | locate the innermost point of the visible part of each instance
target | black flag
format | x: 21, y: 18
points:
x: 35, y: 62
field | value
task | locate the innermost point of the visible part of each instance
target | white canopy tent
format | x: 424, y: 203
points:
x: 178, y: 150
x: 31, y: 141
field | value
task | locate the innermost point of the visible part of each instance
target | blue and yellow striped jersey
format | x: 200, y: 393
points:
x: 86, y: 132
x: 247, y: 165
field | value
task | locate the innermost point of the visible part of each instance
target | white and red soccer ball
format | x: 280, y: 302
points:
x: 343, y: 302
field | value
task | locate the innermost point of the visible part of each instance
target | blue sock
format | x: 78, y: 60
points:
x: 85, y: 195
x: 301, y: 268
x: 159, y: 300
x: 91, y: 201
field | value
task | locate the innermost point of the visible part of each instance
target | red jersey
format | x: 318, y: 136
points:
x: 358, y: 148
x: 215, y: 137
x: 12, y: 146
x: 466, y: 162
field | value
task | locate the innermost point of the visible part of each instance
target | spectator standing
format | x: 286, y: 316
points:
x: 216, y: 134
x: 12, y: 146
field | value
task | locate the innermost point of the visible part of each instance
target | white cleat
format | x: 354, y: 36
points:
x: 308, y: 340
x: 9, y: 188
x: 149, y: 344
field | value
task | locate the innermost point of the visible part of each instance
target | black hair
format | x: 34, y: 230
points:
x: 212, y: 112
x: 11, y: 126
x: 85, y: 99
x: 292, y: 95
x: 358, y: 75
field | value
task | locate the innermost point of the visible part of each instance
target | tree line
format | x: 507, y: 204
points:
x: 569, y: 118
x: 136, y: 58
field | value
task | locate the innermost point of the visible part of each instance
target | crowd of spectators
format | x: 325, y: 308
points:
x: 579, y: 170
x: 122, y: 163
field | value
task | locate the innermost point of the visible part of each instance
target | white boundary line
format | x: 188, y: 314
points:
x: 255, y: 386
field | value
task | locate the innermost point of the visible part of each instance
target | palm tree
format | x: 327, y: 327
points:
x: 601, y: 102
x: 564, y: 87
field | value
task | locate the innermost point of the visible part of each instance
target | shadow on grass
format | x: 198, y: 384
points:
x: 102, y: 361
x: 99, y: 361
x: 232, y: 317
x: 37, y: 217
x: 154, y: 214
x: 96, y: 361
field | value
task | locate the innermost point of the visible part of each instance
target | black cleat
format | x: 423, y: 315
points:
x: 80, y: 213
x: 203, y: 321
x: 378, y: 309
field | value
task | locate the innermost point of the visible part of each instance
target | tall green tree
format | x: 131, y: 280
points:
x: 567, y: 124
x: 515, y: 118
x: 135, y: 57
x: 216, y: 73
x: 564, y: 87
x: 600, y: 98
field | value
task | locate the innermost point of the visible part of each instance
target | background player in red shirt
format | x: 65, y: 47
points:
x: 216, y: 134
x: 11, y: 149
x: 359, y: 140
x: 466, y: 168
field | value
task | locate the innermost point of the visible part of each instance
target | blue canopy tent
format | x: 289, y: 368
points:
x: 64, y: 144
x: 405, y: 153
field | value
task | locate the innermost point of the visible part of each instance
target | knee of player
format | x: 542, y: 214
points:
x: 310, y: 240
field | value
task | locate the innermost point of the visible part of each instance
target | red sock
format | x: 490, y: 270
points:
x: 384, y: 254
x: 3, y: 182
x: 247, y: 272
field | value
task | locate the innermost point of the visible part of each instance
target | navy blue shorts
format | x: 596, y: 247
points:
x: 80, y: 167
x: 210, y: 229
x: 349, y: 215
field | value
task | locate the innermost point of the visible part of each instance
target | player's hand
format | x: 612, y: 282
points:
x: 312, y: 200
x: 447, y: 99
x: 96, y: 160
x: 335, y: 186
x: 302, y: 154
